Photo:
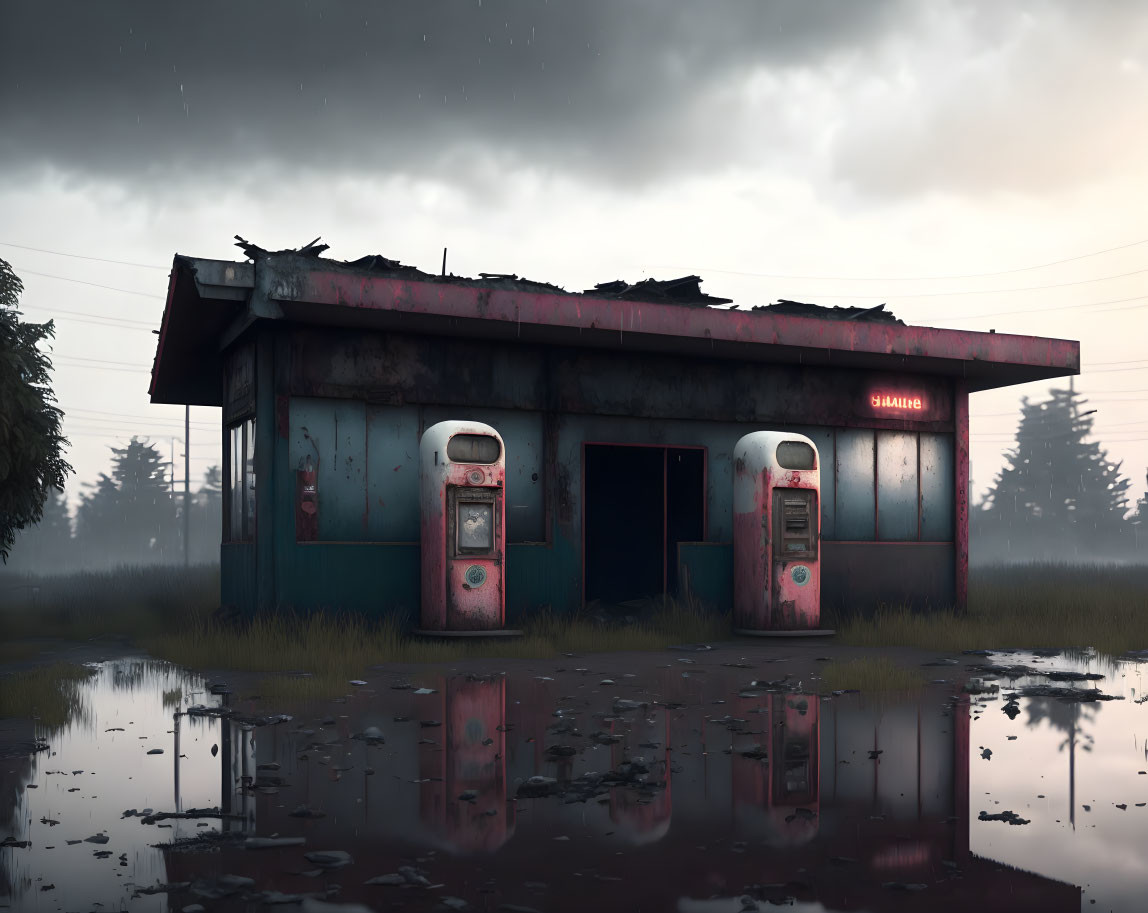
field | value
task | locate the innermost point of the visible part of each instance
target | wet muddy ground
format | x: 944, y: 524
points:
x: 713, y: 780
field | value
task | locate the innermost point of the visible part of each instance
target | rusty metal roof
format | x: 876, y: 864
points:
x: 211, y: 303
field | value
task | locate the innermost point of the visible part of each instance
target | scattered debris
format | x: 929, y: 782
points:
x: 1010, y: 817
x: 980, y: 686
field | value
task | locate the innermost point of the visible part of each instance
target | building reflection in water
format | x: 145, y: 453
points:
x: 239, y: 778
x: 642, y: 816
x: 853, y: 795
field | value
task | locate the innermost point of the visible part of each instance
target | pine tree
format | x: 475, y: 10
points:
x: 129, y: 517
x: 1059, y: 496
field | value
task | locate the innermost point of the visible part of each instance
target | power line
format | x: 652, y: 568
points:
x: 41, y: 250
x: 104, y: 368
x: 95, y: 323
x: 136, y: 324
x: 990, y: 291
x: 136, y: 415
x: 110, y: 288
x: 1059, y: 307
x: 1003, y: 272
x: 108, y: 435
x: 1017, y: 416
x: 86, y: 423
x: 1117, y: 370
x: 100, y: 361
x: 1128, y: 361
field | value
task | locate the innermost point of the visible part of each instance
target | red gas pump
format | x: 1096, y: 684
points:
x: 776, y: 535
x: 462, y: 475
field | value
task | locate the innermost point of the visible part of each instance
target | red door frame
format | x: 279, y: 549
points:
x: 665, y: 448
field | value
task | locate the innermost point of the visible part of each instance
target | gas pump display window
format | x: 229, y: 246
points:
x: 795, y: 455
x: 473, y: 448
x: 475, y: 527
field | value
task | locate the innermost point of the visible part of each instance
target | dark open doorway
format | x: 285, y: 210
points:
x: 639, y: 502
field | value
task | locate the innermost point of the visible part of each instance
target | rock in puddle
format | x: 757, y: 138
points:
x: 372, y: 735
x: 393, y: 880
x: 407, y: 874
x: 329, y: 859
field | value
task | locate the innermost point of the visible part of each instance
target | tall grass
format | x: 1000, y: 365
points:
x: 129, y: 602
x: 870, y: 674
x: 1027, y: 606
x: 49, y: 693
x: 334, y: 648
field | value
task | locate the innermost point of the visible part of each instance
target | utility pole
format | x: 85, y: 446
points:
x: 186, y: 485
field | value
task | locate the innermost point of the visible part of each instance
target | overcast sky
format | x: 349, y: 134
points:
x: 926, y: 154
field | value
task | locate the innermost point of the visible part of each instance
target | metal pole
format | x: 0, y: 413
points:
x: 175, y: 729
x: 186, y: 485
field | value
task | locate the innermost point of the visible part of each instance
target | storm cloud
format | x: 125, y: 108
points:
x: 615, y: 91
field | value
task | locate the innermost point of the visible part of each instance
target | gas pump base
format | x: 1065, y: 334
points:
x: 809, y: 632
x: 501, y: 632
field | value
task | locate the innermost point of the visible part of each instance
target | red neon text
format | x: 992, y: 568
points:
x: 890, y: 401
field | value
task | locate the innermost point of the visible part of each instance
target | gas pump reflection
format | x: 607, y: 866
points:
x: 462, y: 788
x: 829, y: 802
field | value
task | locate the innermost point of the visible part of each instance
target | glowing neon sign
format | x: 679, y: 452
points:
x: 896, y: 401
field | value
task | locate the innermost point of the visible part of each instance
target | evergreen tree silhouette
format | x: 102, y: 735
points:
x: 130, y: 517
x: 1059, y: 496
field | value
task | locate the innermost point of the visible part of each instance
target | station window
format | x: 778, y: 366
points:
x: 241, y: 487
x: 893, y: 486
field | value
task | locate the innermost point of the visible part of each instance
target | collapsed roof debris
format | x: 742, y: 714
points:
x: 788, y: 308
x: 685, y: 291
x: 382, y: 266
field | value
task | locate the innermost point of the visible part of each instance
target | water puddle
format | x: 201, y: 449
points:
x: 688, y: 785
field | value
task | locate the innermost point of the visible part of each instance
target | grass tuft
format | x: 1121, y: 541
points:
x: 49, y: 693
x: 335, y: 648
x: 868, y: 675
x: 1026, y: 606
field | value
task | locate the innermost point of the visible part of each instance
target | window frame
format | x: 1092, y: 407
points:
x: 241, y: 475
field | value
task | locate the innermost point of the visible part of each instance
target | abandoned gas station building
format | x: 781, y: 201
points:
x: 619, y: 409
